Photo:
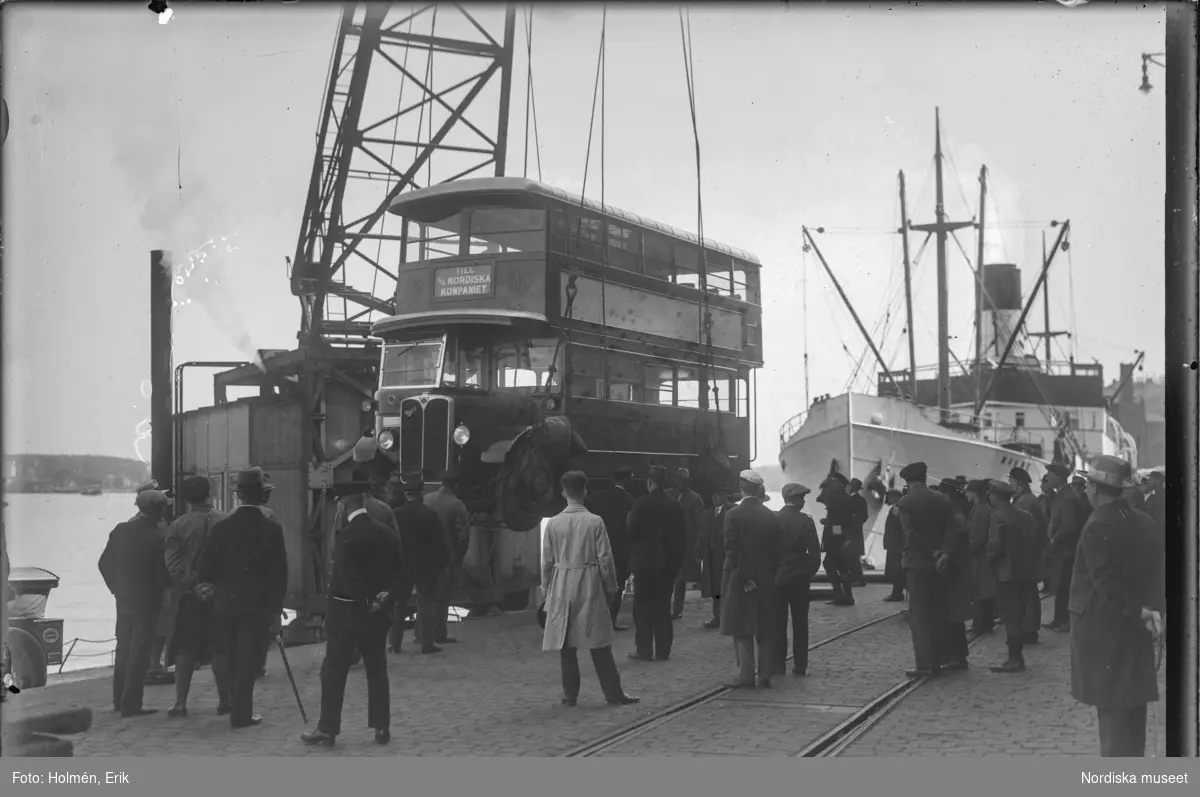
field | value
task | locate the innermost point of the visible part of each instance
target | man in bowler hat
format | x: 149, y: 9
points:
x: 367, y: 573
x: 244, y: 570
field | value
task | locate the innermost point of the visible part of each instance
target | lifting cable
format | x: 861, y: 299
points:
x: 530, y: 98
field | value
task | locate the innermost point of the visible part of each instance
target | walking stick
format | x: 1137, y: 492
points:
x: 288, y: 668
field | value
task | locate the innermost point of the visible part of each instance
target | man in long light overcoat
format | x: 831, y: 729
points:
x: 579, y: 580
x: 1117, y: 602
x: 752, y: 541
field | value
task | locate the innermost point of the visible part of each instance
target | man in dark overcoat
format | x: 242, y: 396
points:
x: 837, y: 548
x: 244, y: 570
x: 657, y: 538
x: 799, y: 559
x: 456, y: 530
x: 1156, y: 500
x: 134, y: 569
x: 425, y: 559
x: 856, y: 542
x: 1118, y: 598
x: 978, y: 523
x: 893, y: 544
x: 367, y: 573
x: 613, y: 505
x: 1025, y: 500
x: 1067, y: 516
x: 1012, y: 553
x: 924, y: 516
x: 752, y: 545
x: 958, y: 583
x: 711, y: 552
x: 693, y: 516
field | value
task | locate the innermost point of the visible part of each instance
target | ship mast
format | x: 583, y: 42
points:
x: 942, y: 228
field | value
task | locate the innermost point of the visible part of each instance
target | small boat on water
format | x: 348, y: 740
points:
x: 94, y: 489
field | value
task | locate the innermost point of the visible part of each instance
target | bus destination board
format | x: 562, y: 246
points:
x: 474, y: 281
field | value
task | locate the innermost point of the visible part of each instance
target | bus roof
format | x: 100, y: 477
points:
x: 510, y: 185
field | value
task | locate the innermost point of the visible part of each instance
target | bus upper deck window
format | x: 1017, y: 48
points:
x: 498, y: 230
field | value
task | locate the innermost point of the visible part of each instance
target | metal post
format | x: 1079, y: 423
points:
x: 162, y: 463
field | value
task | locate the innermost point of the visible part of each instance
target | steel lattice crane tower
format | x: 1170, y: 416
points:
x: 403, y: 87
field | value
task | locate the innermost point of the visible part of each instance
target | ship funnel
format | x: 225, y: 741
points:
x: 1001, y: 310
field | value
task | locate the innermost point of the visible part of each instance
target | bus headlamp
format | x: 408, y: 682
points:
x: 387, y: 439
x: 462, y: 435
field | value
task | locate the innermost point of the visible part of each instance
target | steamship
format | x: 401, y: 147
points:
x: 1007, y: 408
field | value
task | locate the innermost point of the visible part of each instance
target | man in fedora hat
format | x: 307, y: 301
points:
x: 1117, y: 601
x: 134, y: 569
x: 367, y: 573
x: 799, y: 558
x: 748, y: 594
x: 657, y: 541
x: 1012, y: 553
x: 924, y: 516
x: 613, y: 505
x: 578, y: 579
x: 456, y: 530
x: 693, y: 517
x: 425, y: 559
x: 244, y: 570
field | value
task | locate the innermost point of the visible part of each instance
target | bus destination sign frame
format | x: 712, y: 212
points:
x: 473, y: 280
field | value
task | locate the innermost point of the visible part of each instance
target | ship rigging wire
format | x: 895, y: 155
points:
x: 531, y: 99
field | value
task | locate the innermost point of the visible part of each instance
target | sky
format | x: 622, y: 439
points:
x: 198, y: 136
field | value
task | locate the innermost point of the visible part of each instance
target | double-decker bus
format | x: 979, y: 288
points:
x: 536, y: 331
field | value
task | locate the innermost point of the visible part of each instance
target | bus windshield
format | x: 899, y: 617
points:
x: 412, y: 363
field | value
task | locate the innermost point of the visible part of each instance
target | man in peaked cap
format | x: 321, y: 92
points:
x: 1012, y: 553
x: 924, y: 517
x: 978, y: 522
x: 837, y: 548
x: 456, y: 530
x: 1025, y: 500
x: 613, y: 505
x: 244, y: 570
x: 893, y: 545
x: 425, y: 559
x: 1117, y: 602
x: 657, y: 538
x: 367, y: 574
x: 799, y: 558
x: 693, y: 517
x: 134, y: 569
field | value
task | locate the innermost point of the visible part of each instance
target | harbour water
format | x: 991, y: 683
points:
x: 66, y: 534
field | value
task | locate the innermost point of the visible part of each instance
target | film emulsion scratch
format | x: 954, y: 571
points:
x: 884, y: 475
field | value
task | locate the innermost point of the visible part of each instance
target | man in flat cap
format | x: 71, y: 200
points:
x: 196, y: 634
x: 924, y: 516
x: 693, y: 516
x: 425, y: 559
x: 657, y: 543
x: 893, y: 545
x: 164, y: 625
x: 711, y: 551
x: 748, y: 595
x: 367, y: 574
x: 578, y: 576
x: 957, y: 582
x: 859, y: 513
x: 456, y: 530
x: 838, y: 549
x: 1012, y: 553
x: 799, y: 559
x: 1118, y: 598
x: 1067, y: 516
x: 1025, y: 500
x: 244, y: 570
x: 613, y: 505
x: 134, y: 570
x: 978, y: 522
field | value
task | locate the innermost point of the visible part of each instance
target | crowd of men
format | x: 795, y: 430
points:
x: 209, y: 588
x: 966, y: 551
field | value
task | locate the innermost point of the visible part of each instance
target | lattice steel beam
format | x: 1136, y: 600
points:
x: 406, y: 83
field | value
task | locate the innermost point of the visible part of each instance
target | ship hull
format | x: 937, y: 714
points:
x: 865, y: 434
